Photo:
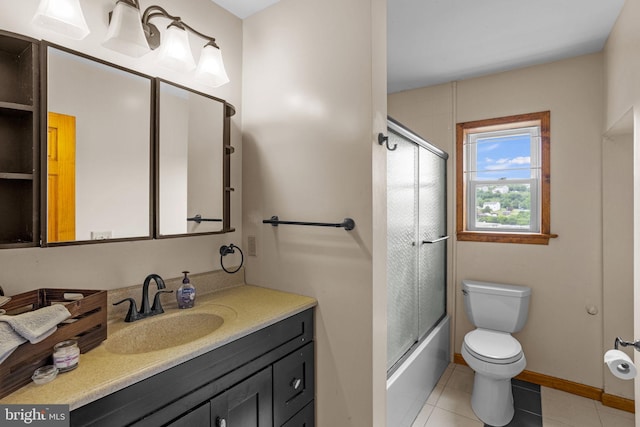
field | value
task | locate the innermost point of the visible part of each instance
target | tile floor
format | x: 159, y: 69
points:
x: 449, y: 405
x: 527, y: 404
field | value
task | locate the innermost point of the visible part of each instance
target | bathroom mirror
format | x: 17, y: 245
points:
x: 97, y: 154
x: 192, y: 159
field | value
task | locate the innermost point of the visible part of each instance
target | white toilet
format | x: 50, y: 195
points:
x: 496, y: 310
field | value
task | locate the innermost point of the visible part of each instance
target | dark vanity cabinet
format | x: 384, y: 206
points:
x: 19, y: 130
x: 248, y: 403
x: 264, y: 379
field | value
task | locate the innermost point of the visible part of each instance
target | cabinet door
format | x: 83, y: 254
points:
x: 247, y: 404
x: 199, y: 417
x: 293, y: 384
x: 304, y: 418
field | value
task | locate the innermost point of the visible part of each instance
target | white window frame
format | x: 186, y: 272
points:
x: 472, y: 182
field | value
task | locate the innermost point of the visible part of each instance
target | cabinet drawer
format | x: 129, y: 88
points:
x: 304, y: 418
x: 293, y: 383
x: 200, y: 416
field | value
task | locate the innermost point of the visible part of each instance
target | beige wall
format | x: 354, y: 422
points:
x: 622, y: 67
x: 113, y: 265
x: 622, y: 64
x: 560, y: 339
x: 314, y: 96
x: 617, y: 246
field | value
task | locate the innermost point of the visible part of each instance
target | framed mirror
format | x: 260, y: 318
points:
x: 97, y: 145
x: 192, y: 162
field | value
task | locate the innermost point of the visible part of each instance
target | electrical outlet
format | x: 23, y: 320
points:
x: 100, y: 235
x: 252, y: 250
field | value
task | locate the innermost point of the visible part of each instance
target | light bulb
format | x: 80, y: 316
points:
x: 62, y: 16
x: 125, y: 34
x: 210, y: 69
x: 175, y: 51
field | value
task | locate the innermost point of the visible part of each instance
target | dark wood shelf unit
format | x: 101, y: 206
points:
x: 19, y: 141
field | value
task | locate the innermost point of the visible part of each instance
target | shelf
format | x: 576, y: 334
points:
x: 19, y: 176
x: 15, y: 106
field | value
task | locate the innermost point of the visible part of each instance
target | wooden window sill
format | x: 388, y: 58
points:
x: 522, y: 238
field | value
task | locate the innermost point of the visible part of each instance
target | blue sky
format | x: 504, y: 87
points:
x: 504, y: 157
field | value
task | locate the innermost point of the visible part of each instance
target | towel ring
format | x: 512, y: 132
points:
x: 226, y: 250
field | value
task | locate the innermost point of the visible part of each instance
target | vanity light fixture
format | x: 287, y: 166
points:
x: 174, y: 52
x: 210, y: 67
x: 125, y: 33
x: 62, y: 16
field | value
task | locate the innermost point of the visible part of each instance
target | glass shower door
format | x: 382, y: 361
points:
x: 402, y: 258
x: 433, y: 237
x: 416, y: 241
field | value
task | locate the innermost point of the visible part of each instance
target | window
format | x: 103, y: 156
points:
x: 503, y: 179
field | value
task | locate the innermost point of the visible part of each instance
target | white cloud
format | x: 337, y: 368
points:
x: 523, y: 160
x: 505, y: 163
x: 482, y: 147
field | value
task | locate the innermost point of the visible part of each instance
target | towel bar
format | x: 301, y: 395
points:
x: 348, y: 223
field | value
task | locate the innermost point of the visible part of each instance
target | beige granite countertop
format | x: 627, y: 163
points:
x: 245, y: 309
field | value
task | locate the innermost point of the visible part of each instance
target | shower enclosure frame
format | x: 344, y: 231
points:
x: 413, y: 376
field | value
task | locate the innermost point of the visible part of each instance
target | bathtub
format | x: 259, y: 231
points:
x: 412, y: 382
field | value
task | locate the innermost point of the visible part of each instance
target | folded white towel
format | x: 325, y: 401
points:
x: 38, y: 324
x: 9, y: 341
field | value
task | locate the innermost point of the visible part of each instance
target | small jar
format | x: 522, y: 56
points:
x: 44, y: 374
x: 66, y: 355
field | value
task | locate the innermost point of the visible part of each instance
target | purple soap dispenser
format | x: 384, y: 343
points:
x: 186, y: 294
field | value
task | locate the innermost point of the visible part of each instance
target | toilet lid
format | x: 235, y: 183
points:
x: 493, y: 346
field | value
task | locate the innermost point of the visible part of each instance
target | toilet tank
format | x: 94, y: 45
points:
x: 496, y: 306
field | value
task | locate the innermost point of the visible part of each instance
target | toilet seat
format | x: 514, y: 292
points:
x: 493, y: 346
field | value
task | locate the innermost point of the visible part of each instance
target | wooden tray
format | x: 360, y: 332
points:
x: 89, y: 327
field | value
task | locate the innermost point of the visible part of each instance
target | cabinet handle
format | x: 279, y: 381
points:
x: 221, y: 422
x: 296, y: 383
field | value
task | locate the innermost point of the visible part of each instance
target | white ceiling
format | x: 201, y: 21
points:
x: 437, y: 41
x: 245, y: 8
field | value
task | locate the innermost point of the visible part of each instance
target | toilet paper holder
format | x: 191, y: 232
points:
x: 620, y: 341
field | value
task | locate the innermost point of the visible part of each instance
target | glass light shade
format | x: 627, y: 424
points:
x: 175, y: 51
x: 62, y: 16
x: 125, y: 34
x: 210, y: 69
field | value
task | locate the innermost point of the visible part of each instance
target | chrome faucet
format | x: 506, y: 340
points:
x: 145, y: 311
